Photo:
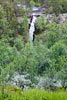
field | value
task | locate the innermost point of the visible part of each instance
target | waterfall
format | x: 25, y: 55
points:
x: 32, y: 28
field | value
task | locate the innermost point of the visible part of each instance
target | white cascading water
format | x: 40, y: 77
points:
x: 32, y: 28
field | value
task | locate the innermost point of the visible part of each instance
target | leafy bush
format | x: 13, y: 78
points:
x: 24, y: 28
x: 58, y: 6
x: 40, y: 24
x: 55, y: 40
x: 32, y: 3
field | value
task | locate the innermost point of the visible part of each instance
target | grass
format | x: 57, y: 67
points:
x: 32, y: 94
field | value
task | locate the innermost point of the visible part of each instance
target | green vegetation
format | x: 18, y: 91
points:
x: 32, y: 94
x: 46, y: 57
x: 40, y: 24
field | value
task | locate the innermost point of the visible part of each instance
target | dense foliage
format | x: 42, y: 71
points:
x: 46, y: 57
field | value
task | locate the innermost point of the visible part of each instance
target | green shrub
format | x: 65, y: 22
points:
x: 32, y: 3
x: 40, y: 24
x: 37, y: 4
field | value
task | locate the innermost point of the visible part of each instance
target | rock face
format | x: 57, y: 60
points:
x: 62, y: 18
